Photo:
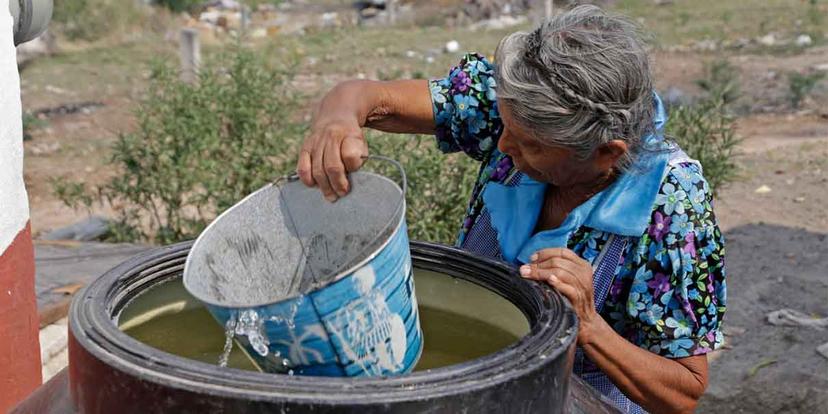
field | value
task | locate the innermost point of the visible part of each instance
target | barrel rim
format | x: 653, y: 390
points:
x: 94, y: 312
x: 337, y: 277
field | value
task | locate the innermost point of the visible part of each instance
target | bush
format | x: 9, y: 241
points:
x: 179, y: 5
x: 198, y: 149
x: 800, y: 85
x: 92, y: 19
x: 705, y: 130
x: 30, y: 123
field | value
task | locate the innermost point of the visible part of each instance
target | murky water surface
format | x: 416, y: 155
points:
x: 460, y: 321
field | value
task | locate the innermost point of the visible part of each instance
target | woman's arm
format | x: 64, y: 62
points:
x: 657, y: 383
x: 336, y: 144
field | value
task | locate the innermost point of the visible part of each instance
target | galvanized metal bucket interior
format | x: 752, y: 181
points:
x: 285, y: 240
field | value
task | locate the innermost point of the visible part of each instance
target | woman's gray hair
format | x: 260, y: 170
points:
x: 579, y: 80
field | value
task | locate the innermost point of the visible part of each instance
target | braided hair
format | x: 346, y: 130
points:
x: 579, y: 80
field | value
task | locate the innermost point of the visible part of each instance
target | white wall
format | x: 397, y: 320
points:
x: 14, y: 204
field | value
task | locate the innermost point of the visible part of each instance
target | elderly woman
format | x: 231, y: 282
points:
x: 578, y: 187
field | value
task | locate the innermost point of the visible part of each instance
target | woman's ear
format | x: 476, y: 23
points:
x: 607, y: 155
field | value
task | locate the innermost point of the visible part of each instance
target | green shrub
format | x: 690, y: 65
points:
x: 92, y: 19
x: 198, y: 149
x: 179, y: 5
x: 800, y: 85
x: 705, y: 130
x: 720, y: 81
x: 30, y: 123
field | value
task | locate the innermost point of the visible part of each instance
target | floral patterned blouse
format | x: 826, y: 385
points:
x: 668, y: 295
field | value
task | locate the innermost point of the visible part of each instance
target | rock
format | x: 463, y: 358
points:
x: 85, y: 108
x: 452, y: 46
x: 823, y: 350
x: 369, y: 12
x: 707, y: 45
x: 822, y: 67
x: 330, y: 19
x: 791, y: 317
x: 498, y: 23
x: 762, y: 190
x: 767, y: 40
x: 43, y: 45
x: 803, y: 40
x: 223, y: 4
x: 93, y: 228
x: 799, y: 200
x: 410, y: 54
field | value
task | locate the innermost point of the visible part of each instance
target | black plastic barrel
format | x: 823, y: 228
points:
x: 110, y: 372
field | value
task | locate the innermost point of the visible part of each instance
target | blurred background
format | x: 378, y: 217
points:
x: 144, y: 119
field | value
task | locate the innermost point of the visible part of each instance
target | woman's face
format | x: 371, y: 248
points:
x: 550, y: 164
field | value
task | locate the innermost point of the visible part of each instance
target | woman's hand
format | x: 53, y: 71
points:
x: 335, y: 146
x: 572, y: 277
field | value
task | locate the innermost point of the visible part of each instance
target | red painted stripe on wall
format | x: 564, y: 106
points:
x: 19, y: 324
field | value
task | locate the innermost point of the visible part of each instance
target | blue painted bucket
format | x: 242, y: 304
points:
x: 311, y: 287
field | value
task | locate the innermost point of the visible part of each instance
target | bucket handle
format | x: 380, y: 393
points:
x: 295, y: 176
x: 401, y: 206
x: 396, y: 164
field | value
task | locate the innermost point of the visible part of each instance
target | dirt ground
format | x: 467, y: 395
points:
x: 776, y: 240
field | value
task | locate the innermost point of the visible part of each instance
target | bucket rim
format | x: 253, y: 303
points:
x: 337, y: 277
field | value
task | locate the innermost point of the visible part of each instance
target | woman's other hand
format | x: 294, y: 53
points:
x: 572, y: 277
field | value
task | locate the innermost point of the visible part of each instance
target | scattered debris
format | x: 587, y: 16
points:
x: 763, y: 190
x: 790, y: 317
x: 734, y: 331
x: 90, y: 229
x: 452, y: 46
x: 822, y: 67
x: 498, y: 23
x: 762, y: 364
x: 707, y: 45
x: 69, y: 289
x: 330, y: 19
x: 44, y: 148
x: 85, y: 108
x: 768, y: 39
x: 799, y: 200
x: 823, y: 350
x: 803, y: 40
x: 223, y: 5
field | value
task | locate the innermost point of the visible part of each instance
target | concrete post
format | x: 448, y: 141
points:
x: 19, y: 324
x: 548, y: 8
x: 190, y: 55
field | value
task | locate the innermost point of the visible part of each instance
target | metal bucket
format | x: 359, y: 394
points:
x: 312, y: 287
